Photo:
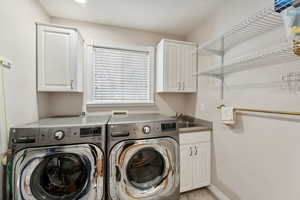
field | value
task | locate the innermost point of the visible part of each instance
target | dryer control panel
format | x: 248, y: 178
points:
x: 168, y: 127
x: 142, y: 129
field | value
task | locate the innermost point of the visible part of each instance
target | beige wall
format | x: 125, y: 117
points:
x: 71, y: 103
x: 258, y: 158
x: 111, y: 34
x: 18, y: 42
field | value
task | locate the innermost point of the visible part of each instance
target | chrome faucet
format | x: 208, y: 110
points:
x: 179, y: 115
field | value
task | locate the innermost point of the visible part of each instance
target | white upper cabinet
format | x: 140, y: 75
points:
x: 188, y: 67
x: 60, y: 59
x: 176, y: 67
x: 172, y: 72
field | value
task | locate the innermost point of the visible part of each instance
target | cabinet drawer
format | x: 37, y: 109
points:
x: 195, y: 137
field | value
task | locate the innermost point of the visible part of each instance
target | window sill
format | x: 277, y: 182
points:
x: 104, y: 105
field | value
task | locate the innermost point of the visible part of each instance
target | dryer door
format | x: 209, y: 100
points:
x: 59, y: 173
x: 144, y: 169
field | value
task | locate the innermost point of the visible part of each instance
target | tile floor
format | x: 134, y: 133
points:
x: 202, y: 194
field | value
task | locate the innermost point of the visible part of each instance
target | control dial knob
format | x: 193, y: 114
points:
x: 147, y: 129
x: 59, y: 135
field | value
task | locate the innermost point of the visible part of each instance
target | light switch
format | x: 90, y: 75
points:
x: 5, y: 62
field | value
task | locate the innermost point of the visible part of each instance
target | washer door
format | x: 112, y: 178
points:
x: 147, y: 169
x: 59, y: 173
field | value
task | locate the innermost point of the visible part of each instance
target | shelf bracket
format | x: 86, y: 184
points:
x: 222, y: 67
x: 217, y: 76
x: 216, y: 52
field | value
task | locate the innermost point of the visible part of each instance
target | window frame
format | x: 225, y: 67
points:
x: 90, y: 102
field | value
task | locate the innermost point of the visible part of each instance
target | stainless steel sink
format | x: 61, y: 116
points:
x: 188, y: 123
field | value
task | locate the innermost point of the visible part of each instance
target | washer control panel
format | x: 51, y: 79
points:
x: 31, y: 137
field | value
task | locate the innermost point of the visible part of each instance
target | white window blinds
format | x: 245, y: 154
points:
x: 122, y: 76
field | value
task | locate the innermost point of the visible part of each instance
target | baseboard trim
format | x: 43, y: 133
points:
x: 218, y: 193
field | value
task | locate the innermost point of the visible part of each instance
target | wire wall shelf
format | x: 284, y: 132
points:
x: 262, y: 21
x: 283, y: 53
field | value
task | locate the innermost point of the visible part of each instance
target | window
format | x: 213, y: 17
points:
x: 122, y: 76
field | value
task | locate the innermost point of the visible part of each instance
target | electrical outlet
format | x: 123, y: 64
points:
x: 119, y: 113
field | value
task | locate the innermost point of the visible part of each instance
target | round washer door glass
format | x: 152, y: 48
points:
x: 145, y: 169
x: 61, y: 176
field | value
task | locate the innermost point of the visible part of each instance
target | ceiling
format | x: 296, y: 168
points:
x: 178, y: 17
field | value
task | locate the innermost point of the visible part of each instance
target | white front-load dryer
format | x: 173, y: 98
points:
x: 143, y: 158
x: 144, y: 169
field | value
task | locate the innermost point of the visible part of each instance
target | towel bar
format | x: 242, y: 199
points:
x: 263, y: 111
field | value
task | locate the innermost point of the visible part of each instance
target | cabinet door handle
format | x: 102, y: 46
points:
x: 72, y: 81
x: 191, y: 151
x: 196, y: 151
x: 179, y: 85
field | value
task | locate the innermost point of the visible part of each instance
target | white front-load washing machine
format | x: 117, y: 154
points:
x: 143, y: 162
x: 59, y: 159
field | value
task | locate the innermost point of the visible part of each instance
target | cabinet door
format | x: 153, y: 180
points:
x: 78, y: 71
x: 201, y: 165
x: 186, y: 168
x: 56, y: 59
x: 172, y: 65
x: 188, y: 68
